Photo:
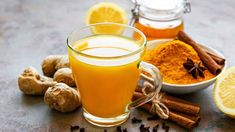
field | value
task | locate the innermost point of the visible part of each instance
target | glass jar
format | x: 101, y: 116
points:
x: 159, y: 19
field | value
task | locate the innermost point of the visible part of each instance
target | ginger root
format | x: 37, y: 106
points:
x: 64, y: 75
x: 54, y: 62
x: 31, y: 83
x: 62, y: 98
x: 58, y: 96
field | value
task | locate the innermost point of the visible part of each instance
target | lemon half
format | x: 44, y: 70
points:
x: 106, y: 12
x: 224, y: 92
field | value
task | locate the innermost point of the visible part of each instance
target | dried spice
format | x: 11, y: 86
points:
x: 167, y: 128
x: 119, y: 129
x: 152, y: 118
x: 163, y: 125
x: 155, y: 128
x: 146, y: 129
x: 184, y: 113
x: 206, y: 58
x: 194, y: 68
x: 135, y: 120
x: 72, y: 128
x: 82, y: 130
x: 143, y: 128
x: 169, y: 58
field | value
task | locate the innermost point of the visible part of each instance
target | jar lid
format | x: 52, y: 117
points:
x: 162, y: 9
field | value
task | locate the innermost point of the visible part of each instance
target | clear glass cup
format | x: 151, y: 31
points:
x: 106, y: 61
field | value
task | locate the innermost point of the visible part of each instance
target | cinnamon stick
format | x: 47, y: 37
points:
x: 213, y: 67
x: 194, y: 118
x: 180, y: 105
x: 219, y: 60
x: 216, y: 58
x: 175, y: 117
x: 175, y: 104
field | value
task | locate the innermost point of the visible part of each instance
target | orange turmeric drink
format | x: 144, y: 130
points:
x: 106, y: 86
x: 106, y: 67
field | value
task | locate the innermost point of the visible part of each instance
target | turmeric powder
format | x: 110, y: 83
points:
x: 169, y: 58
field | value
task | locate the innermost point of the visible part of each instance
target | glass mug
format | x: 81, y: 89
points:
x: 106, y: 63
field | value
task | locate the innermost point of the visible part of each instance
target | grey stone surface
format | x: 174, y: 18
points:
x: 33, y: 29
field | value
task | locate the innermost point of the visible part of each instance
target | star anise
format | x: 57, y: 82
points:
x: 194, y: 68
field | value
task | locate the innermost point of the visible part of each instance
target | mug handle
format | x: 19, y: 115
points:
x: 155, y: 80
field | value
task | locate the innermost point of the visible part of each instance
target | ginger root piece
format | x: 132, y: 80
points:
x: 31, y: 83
x: 54, y: 62
x: 62, y: 98
x: 64, y: 75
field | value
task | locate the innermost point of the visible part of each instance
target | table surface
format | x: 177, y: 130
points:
x: 33, y: 29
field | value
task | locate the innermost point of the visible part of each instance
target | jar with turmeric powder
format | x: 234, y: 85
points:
x: 159, y: 19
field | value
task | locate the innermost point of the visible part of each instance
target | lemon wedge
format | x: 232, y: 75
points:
x: 224, y: 92
x: 106, y: 12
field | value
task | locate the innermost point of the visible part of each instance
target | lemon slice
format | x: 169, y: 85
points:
x: 106, y: 12
x: 224, y: 92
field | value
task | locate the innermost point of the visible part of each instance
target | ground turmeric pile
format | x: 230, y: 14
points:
x: 169, y: 58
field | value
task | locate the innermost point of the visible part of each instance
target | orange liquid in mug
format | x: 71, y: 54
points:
x: 106, y: 86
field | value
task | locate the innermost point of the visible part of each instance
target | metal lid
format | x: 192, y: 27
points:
x: 161, y: 9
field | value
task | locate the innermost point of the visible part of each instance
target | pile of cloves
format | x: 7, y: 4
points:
x: 119, y: 129
x: 76, y: 127
x: 144, y: 128
x: 134, y: 120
